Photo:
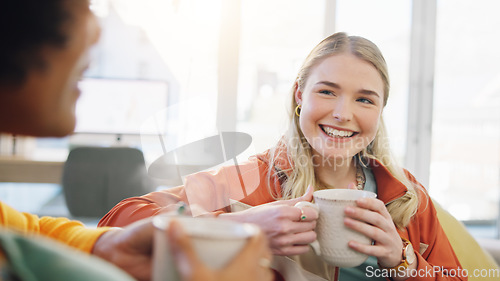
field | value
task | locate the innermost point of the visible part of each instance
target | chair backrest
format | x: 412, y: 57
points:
x: 469, y: 252
x: 97, y: 178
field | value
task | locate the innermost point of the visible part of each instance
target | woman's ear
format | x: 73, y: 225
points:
x: 297, y: 93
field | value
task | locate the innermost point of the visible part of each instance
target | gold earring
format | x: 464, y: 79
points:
x: 297, y: 110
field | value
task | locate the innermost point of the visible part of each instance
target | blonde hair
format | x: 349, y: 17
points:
x: 298, y: 151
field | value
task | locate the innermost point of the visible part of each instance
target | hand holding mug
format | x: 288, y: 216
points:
x: 371, y: 218
x: 333, y: 237
x: 252, y: 263
x: 290, y: 230
x: 215, y: 242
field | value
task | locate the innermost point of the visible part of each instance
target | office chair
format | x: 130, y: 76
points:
x: 97, y: 178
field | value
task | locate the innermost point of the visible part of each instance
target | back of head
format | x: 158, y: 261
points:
x: 26, y: 26
x: 43, y: 54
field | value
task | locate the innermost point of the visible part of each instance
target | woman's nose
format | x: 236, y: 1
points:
x: 342, y: 111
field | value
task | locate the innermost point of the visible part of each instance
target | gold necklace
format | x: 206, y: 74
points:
x: 360, y: 177
x: 360, y: 180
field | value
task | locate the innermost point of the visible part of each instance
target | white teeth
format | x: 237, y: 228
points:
x: 336, y: 133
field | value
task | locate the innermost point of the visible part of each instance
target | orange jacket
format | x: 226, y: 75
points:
x: 72, y: 233
x: 248, y: 183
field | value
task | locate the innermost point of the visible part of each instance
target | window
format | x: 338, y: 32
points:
x: 465, y: 163
x: 276, y: 37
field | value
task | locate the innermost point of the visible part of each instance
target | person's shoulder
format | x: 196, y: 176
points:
x: 411, y: 177
x: 424, y: 199
x: 419, y: 188
x: 264, y: 157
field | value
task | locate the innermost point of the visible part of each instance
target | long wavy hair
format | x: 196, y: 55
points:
x: 298, y: 150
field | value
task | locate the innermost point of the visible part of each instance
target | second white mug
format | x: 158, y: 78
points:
x: 216, y: 242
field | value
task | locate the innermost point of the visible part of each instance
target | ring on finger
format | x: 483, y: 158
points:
x: 303, y: 216
x: 299, y: 206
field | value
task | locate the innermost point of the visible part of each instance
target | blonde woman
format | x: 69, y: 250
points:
x: 336, y: 139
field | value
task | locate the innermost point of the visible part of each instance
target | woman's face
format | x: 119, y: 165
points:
x: 341, y: 105
x: 45, y: 104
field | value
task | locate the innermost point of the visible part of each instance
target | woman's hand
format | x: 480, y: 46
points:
x: 129, y: 248
x: 288, y: 234
x: 371, y: 218
x: 252, y: 263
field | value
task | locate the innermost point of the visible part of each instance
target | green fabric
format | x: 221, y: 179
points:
x: 366, y: 271
x: 361, y: 273
x: 370, y: 183
x: 38, y: 259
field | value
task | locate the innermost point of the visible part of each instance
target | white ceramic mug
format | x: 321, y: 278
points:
x: 216, y: 242
x: 333, y: 235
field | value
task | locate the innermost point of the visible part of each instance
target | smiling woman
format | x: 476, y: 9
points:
x: 336, y: 136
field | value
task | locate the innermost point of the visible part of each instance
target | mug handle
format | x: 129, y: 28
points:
x: 315, y: 244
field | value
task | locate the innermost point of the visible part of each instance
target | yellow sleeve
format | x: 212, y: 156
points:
x: 72, y: 233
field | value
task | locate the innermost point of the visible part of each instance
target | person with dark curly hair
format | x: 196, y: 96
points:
x: 44, y: 52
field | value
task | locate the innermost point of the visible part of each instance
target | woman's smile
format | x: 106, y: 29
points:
x: 341, y: 105
x: 337, y: 133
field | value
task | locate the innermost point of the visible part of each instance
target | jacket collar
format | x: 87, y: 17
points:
x: 388, y: 187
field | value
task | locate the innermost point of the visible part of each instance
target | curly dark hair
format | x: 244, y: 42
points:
x: 25, y: 27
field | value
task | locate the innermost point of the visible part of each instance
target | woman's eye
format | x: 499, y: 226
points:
x: 364, y: 100
x: 327, y: 92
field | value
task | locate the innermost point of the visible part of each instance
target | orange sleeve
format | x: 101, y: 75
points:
x: 72, y: 233
x: 435, y: 256
x: 210, y: 191
x: 136, y: 208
